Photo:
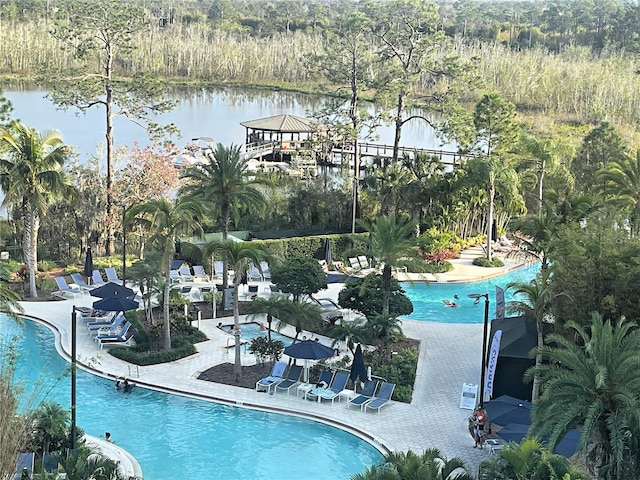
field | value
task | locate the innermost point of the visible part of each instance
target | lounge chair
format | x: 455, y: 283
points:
x: 325, y: 379
x: 106, y: 328
x: 338, y: 384
x: 64, y: 289
x: 124, y: 338
x: 292, y: 380
x: 354, y: 264
x: 79, y: 281
x: 175, y: 276
x: 97, y: 279
x: 26, y: 460
x: 217, y: 268
x: 266, y: 273
x: 363, y: 261
x: 185, y: 273
x: 367, y: 393
x: 254, y: 273
x: 200, y: 274
x: 92, y: 315
x: 276, y: 377
x: 116, y: 334
x: 112, y: 276
x: 382, y: 398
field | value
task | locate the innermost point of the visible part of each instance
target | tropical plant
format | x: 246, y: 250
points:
x: 167, y: 221
x: 32, y: 178
x: 619, y: 181
x: 299, y: 276
x: 355, y: 331
x: 364, y: 294
x: 430, y: 465
x: 592, y: 382
x: 225, y: 185
x: 303, y: 316
x: 51, y: 423
x: 84, y: 464
x: 529, y: 460
x: 383, y: 326
x: 9, y: 300
x: 535, y: 301
x: 392, y: 241
x: 239, y: 257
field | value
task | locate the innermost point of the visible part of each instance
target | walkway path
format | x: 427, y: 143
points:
x: 449, y: 357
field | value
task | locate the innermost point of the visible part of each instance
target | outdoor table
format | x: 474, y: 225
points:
x: 304, y: 388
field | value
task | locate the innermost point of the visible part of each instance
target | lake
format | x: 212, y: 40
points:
x: 200, y: 112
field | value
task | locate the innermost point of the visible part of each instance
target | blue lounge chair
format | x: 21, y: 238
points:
x: 107, y: 328
x: 367, y: 393
x: 338, y: 384
x: 115, y: 334
x: 79, y: 281
x: 326, y: 377
x: 382, y: 398
x: 64, y: 289
x: 125, y: 337
x: 276, y: 377
x: 112, y: 276
x: 293, y: 379
x: 97, y: 279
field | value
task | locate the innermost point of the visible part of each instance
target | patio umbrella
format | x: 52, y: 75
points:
x: 506, y: 409
x: 111, y: 289
x: 515, y: 432
x: 115, y: 304
x: 358, y: 368
x: 88, y: 265
x: 327, y: 252
x: 308, y: 350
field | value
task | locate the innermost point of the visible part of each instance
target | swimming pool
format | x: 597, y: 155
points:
x: 175, y: 437
x: 427, y: 297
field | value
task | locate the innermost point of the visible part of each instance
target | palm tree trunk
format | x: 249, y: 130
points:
x: 535, y: 390
x: 224, y: 213
x: 491, y: 191
x: 30, y: 246
x: 165, y: 307
x: 386, y: 289
x: 237, y: 365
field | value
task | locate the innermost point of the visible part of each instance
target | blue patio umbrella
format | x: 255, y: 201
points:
x: 506, y: 409
x: 567, y: 446
x: 111, y: 289
x: 358, y: 368
x: 115, y: 304
x: 308, y: 350
x: 88, y: 264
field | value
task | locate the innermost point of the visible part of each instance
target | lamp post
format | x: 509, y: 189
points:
x: 124, y: 246
x: 73, y: 377
x: 477, y: 297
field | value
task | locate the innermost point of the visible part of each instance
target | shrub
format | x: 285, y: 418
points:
x: 401, y: 370
x: 264, y: 349
x: 46, y: 265
x: 484, y: 262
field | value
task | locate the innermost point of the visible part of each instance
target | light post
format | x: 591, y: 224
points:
x: 477, y: 297
x: 124, y: 245
x: 73, y: 377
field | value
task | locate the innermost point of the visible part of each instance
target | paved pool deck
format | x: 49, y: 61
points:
x: 449, y: 357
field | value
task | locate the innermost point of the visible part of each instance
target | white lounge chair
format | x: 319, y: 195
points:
x: 112, y: 276
x: 97, y: 279
x: 185, y: 273
x: 64, y: 289
x: 200, y: 274
x: 79, y: 281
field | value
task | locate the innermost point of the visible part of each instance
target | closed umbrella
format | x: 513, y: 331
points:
x: 308, y: 350
x: 111, y: 289
x: 327, y: 252
x: 115, y: 304
x: 358, y: 368
x: 88, y: 265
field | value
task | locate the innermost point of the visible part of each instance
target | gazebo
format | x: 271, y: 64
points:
x: 288, y: 130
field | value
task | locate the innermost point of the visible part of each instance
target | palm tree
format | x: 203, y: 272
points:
x: 167, y: 221
x: 225, y: 183
x: 9, y: 300
x: 351, y: 333
x: 382, y: 327
x: 303, y: 316
x: 529, y: 460
x: 392, y: 240
x: 31, y: 176
x: 431, y: 465
x: 273, y: 306
x: 83, y: 464
x: 239, y: 256
x: 620, y: 183
x: 592, y: 382
x: 535, y: 298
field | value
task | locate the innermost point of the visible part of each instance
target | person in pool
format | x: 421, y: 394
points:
x: 449, y: 303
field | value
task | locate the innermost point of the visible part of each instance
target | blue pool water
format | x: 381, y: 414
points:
x: 252, y: 330
x: 174, y: 437
x: 427, y: 297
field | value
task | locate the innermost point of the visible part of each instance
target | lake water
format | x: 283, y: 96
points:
x: 214, y: 113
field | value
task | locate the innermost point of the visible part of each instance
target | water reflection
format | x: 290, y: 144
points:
x: 199, y: 112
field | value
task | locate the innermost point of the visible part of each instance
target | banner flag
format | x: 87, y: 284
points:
x: 492, y: 361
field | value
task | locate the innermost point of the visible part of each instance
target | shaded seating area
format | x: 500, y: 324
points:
x: 382, y: 398
x: 65, y: 290
x: 277, y: 375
